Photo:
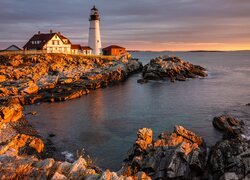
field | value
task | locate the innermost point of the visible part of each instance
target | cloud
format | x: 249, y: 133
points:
x: 127, y: 22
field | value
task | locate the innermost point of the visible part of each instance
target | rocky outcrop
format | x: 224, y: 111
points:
x: 59, y: 77
x: 177, y: 155
x: 28, y: 79
x: 180, y: 154
x: 17, y: 137
x: 230, y: 157
x: 17, y: 167
x: 172, y: 69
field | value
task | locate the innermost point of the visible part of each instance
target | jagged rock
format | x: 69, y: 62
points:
x: 172, y: 69
x: 144, y: 138
x: 31, y: 89
x: 142, y: 175
x: 59, y: 77
x: 64, y: 168
x: 180, y: 154
x: 45, y: 164
x: 230, y: 157
x: 58, y: 176
x: 10, y: 112
x: 20, y: 144
x: 47, y: 82
x: 37, y: 144
x: 78, y: 168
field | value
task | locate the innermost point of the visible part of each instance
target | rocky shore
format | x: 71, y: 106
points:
x: 180, y: 154
x: 170, y: 69
x: 59, y: 77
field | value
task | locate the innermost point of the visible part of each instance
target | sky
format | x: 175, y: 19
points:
x: 175, y: 25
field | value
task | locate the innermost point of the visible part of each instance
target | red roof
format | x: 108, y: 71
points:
x: 44, y: 38
x: 113, y: 47
x: 86, y: 48
x: 76, y: 46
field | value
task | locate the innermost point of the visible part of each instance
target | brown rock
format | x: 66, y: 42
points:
x: 2, y: 78
x: 37, y: 144
x: 144, y: 138
x: 31, y: 89
x: 142, y: 176
x: 188, y: 135
x: 229, y: 125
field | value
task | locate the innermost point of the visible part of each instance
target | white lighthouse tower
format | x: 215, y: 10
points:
x: 94, y: 32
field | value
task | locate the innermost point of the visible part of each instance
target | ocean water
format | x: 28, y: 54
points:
x: 104, y: 123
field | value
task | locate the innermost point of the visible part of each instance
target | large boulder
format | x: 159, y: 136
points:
x: 230, y: 158
x: 180, y: 154
x: 230, y: 126
x: 172, y: 69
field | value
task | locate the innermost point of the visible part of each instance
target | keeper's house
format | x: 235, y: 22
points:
x: 55, y: 43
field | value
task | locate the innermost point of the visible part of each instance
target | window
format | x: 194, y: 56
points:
x: 56, y: 36
x: 53, y: 42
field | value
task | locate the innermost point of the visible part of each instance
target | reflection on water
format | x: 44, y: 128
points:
x: 105, y: 121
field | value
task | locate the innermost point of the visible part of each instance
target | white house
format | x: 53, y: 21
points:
x: 55, y: 43
x: 51, y: 43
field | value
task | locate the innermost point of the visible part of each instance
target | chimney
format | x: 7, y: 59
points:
x: 59, y: 33
x: 50, y: 31
x: 39, y: 32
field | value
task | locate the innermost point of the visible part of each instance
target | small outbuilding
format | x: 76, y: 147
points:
x: 86, y: 50
x: 114, y: 50
x: 78, y: 49
x: 13, y: 48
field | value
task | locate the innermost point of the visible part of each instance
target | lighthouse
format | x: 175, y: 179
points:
x: 94, y: 32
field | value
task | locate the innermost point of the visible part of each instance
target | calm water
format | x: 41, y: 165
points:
x: 105, y: 122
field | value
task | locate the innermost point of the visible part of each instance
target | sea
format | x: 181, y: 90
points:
x: 103, y: 124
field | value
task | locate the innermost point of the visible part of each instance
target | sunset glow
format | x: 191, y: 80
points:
x: 176, y: 25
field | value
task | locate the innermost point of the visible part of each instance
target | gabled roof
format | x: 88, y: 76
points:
x: 76, y: 46
x: 86, y: 48
x: 13, y: 46
x: 44, y: 38
x: 63, y: 37
x: 113, y: 47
